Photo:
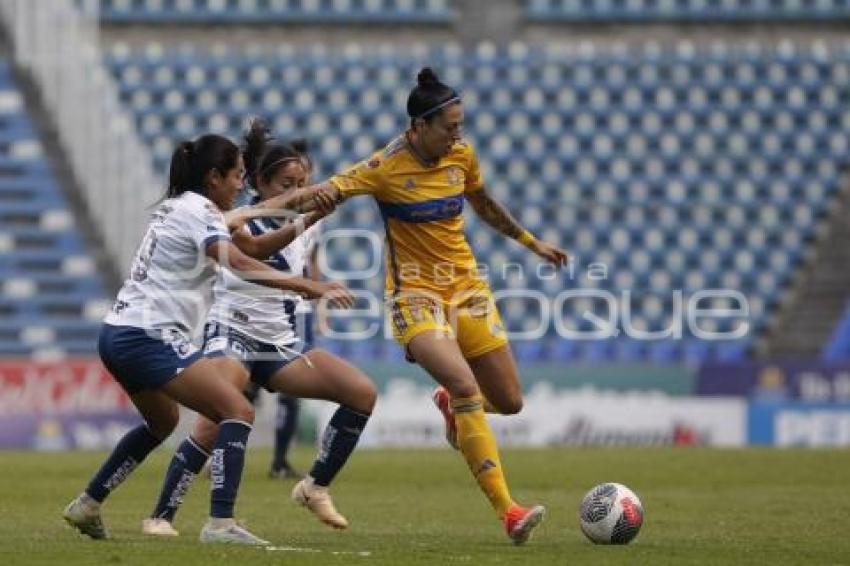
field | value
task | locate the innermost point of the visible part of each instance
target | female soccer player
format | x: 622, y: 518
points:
x: 252, y: 336
x: 442, y: 312
x: 146, y: 340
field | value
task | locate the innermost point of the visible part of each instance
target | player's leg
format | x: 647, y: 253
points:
x: 203, y: 388
x: 497, y: 375
x: 288, y: 412
x: 484, y: 343
x: 161, y: 415
x: 190, y: 457
x: 442, y: 358
x: 329, y: 378
x: 286, y: 424
x: 141, y: 362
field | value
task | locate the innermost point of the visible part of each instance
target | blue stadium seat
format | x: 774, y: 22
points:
x: 281, y: 11
x: 722, y: 184
x: 684, y: 10
x: 51, y: 299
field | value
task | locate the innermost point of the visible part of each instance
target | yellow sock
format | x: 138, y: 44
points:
x: 478, y: 446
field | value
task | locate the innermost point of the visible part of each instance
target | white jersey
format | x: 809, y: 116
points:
x: 171, y: 278
x: 261, y: 312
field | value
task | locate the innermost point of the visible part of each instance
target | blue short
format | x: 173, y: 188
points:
x: 261, y: 359
x: 142, y: 359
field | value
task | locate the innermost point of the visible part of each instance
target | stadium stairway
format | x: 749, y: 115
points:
x: 65, y: 177
x: 816, y: 302
x: 52, y: 295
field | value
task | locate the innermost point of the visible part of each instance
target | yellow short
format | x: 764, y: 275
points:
x: 473, y: 320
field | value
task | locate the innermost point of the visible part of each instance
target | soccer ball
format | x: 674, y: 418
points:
x: 610, y: 513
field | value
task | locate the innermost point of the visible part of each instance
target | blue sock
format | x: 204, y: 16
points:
x: 129, y: 453
x: 287, y: 422
x: 228, y: 459
x: 338, y: 442
x: 185, y: 465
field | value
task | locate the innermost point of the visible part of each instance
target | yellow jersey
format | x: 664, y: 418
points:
x: 421, y: 205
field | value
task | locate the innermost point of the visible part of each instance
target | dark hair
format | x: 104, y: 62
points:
x: 193, y: 160
x: 302, y: 146
x: 262, y: 156
x: 429, y: 96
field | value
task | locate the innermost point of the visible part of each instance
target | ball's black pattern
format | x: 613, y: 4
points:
x: 598, y: 503
x: 627, y: 526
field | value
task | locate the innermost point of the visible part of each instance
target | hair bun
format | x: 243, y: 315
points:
x: 301, y: 145
x: 427, y: 78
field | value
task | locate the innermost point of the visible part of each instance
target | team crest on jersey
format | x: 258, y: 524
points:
x: 183, y: 349
x: 373, y: 163
x: 454, y: 175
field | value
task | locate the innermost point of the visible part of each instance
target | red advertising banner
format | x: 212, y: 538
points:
x: 65, y: 387
x: 69, y: 404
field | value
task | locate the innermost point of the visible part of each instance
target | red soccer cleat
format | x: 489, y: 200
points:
x: 521, y: 521
x: 443, y: 401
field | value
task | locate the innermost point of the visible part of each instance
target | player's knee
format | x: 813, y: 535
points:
x: 238, y: 409
x: 165, y: 424
x: 369, y: 395
x: 510, y: 406
x: 462, y: 389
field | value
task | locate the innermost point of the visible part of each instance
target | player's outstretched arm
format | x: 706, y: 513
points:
x: 264, y: 245
x: 497, y: 216
x: 323, y: 197
x: 255, y: 271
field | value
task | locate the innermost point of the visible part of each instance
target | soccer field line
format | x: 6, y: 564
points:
x: 364, y: 553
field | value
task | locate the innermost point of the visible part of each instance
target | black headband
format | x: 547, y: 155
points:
x: 451, y: 100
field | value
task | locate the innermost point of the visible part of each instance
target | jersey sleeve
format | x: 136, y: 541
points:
x: 365, y: 178
x: 205, y: 224
x: 311, y: 237
x: 474, y: 180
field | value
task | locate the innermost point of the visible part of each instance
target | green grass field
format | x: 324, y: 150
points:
x: 421, y: 507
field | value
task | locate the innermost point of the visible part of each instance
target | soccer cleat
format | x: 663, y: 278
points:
x: 158, y: 527
x: 318, y: 500
x: 232, y: 533
x: 521, y: 521
x: 85, y: 518
x: 443, y: 401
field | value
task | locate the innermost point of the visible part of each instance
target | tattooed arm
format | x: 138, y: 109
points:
x: 494, y: 214
x: 497, y: 216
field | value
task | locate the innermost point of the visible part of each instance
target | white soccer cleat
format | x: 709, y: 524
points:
x: 85, y: 518
x: 158, y: 527
x: 232, y: 533
x: 318, y: 500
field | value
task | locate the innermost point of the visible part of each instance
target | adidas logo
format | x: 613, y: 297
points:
x: 488, y: 464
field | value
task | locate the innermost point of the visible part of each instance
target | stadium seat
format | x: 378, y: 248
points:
x: 723, y: 184
x: 51, y: 298
x: 640, y: 11
x: 279, y: 11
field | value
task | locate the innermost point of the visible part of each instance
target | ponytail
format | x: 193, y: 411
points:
x: 193, y: 160
x: 262, y: 156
